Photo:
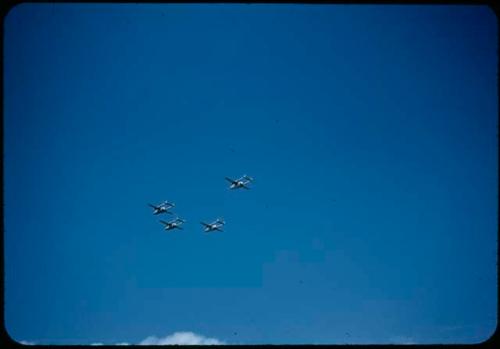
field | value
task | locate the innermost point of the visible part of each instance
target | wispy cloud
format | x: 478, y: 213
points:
x: 182, y: 338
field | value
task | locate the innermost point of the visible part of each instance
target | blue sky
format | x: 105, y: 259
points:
x: 371, y: 132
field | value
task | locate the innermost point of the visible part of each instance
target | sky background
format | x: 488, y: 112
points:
x: 371, y: 132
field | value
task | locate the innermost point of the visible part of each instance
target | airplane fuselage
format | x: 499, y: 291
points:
x: 213, y: 227
x: 238, y: 184
x: 172, y: 226
x: 161, y: 209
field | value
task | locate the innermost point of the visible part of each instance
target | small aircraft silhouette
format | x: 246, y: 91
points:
x: 173, y: 224
x: 162, y: 208
x: 240, y: 182
x: 215, y: 225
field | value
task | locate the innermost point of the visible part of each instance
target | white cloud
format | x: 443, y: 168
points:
x: 186, y: 338
x: 27, y: 343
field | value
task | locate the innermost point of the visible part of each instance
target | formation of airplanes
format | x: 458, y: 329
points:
x: 216, y: 225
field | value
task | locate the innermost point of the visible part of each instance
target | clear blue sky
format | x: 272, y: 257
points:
x: 371, y: 132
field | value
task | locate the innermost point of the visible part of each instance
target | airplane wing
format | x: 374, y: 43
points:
x: 230, y: 180
x: 166, y: 223
x: 219, y: 229
x: 244, y: 186
x: 206, y: 225
x: 153, y: 206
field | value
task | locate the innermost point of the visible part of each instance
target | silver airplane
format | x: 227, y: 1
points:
x: 240, y: 182
x: 162, y: 208
x: 215, y: 225
x: 173, y: 224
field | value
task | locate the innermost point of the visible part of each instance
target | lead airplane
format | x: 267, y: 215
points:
x: 215, y: 225
x: 162, y: 208
x: 240, y: 182
x: 173, y: 224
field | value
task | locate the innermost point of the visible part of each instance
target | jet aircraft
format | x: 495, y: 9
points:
x: 240, y: 182
x: 173, y: 224
x: 215, y: 225
x: 162, y: 208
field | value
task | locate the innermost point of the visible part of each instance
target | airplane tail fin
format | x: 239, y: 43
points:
x: 178, y: 219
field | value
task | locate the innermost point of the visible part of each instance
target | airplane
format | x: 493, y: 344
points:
x: 173, y: 224
x: 162, y: 208
x: 216, y: 225
x: 240, y: 182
